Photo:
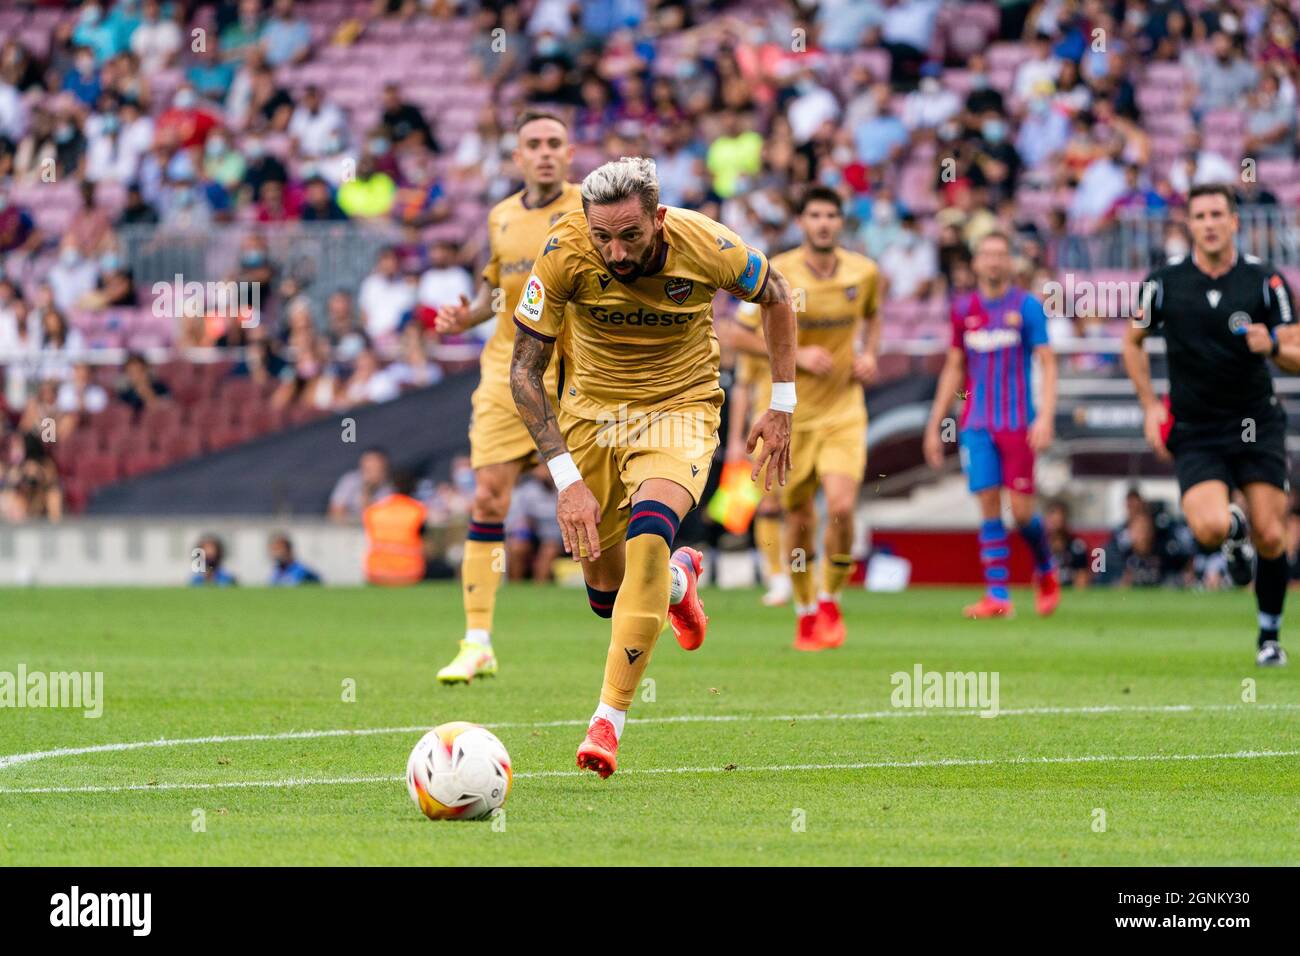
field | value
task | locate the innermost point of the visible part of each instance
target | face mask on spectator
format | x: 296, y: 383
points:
x: 185, y: 100
x: 252, y: 259
x: 1175, y: 246
x: 111, y: 124
x: 882, y: 211
x: 255, y: 150
x: 63, y: 134
x: 69, y: 256
x: 929, y: 86
x: 215, y: 147
x: 4, y: 203
x: 979, y: 81
x: 109, y: 262
x: 379, y: 146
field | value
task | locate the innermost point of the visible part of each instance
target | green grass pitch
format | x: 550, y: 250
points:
x: 781, y: 758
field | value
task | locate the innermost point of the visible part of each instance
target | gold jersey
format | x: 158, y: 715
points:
x: 828, y: 311
x: 515, y: 233
x: 645, y: 344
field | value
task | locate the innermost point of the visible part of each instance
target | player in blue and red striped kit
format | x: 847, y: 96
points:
x: 997, y: 331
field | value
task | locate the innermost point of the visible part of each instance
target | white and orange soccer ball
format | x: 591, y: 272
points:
x: 458, y: 771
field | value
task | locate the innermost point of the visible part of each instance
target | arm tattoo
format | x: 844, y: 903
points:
x: 527, y: 371
x: 777, y: 291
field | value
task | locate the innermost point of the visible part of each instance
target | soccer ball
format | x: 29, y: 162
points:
x: 458, y: 771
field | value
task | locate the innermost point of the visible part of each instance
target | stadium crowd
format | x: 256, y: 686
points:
x: 1058, y: 121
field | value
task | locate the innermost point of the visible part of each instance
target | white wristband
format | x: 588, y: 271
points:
x: 563, y: 471
x: 783, y: 399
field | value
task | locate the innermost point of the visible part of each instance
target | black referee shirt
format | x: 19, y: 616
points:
x: 1213, y: 376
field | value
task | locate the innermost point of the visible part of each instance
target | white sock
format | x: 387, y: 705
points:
x: 677, y: 590
x: 805, y: 609
x: 827, y: 596
x: 615, y: 717
x: 476, y: 635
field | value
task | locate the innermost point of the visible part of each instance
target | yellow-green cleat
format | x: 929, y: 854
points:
x: 474, y: 660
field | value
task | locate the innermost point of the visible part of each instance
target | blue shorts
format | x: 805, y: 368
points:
x: 993, y: 459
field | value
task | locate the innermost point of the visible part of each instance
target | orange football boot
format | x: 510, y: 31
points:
x: 830, y: 624
x: 687, y: 616
x: 988, y: 606
x: 599, y: 752
x: 1048, y: 585
x: 805, y: 635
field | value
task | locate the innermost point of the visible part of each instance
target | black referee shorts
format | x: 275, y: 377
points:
x: 1222, y: 453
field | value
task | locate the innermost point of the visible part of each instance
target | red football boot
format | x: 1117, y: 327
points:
x: 988, y: 606
x: 687, y: 616
x: 805, y: 635
x: 830, y: 624
x: 599, y: 752
x: 1048, y: 586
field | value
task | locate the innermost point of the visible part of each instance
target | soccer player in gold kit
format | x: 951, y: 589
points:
x: 500, y: 446
x: 836, y: 299
x: 630, y: 285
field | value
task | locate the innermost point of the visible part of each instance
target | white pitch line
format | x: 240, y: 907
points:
x: 14, y: 759
x: 770, y: 768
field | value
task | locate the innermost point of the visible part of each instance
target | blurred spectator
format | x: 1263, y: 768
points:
x: 404, y: 121
x: 1146, y: 559
x: 367, y: 383
x: 318, y: 128
x: 372, y: 193
x: 346, y: 337
x: 1072, y: 556
x: 906, y: 32
x: 910, y: 264
x: 156, y: 39
x: 78, y: 397
x: 413, y: 367
x: 286, y: 570
x: 394, y: 535
x: 72, y: 276
x: 141, y: 389
x: 1270, y: 122
x: 385, y: 296
x: 30, y: 489
x: 286, y: 38
x: 533, y: 536
x: 356, y: 490
x: 445, y: 280
x: 1222, y: 78
x: 261, y: 364
x: 209, y: 564
x: 881, y: 137
x: 734, y: 155
x: 221, y: 164
x: 930, y: 105
x: 186, y: 122
x: 135, y: 211
x: 318, y: 202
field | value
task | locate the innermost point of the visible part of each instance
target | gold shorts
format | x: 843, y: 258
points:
x: 496, y: 432
x: 816, y: 452
x: 615, y: 456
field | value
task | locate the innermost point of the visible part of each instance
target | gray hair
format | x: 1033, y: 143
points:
x: 620, y: 179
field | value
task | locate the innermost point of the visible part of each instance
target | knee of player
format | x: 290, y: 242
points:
x: 840, y: 511
x: 1210, y: 529
x: 490, y: 503
x: 1268, y: 539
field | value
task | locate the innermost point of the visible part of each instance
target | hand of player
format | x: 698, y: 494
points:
x: 773, y: 429
x: 578, y: 514
x: 814, y: 359
x: 932, y: 446
x: 1152, y: 426
x: 453, y: 318
x: 1259, y: 339
x: 864, y: 368
x: 1041, y: 433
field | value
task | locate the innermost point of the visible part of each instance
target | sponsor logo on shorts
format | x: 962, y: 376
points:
x: 534, y: 297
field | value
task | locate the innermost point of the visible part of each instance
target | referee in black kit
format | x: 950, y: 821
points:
x: 1223, y: 316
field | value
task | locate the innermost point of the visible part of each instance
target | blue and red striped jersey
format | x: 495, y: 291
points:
x: 998, y: 337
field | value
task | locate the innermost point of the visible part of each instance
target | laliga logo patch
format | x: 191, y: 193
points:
x: 851, y: 293
x: 533, y: 299
x: 1237, y: 323
x: 679, y: 290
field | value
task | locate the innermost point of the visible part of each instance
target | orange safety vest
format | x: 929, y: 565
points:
x: 394, y: 550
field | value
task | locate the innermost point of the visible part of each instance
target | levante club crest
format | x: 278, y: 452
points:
x: 679, y: 290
